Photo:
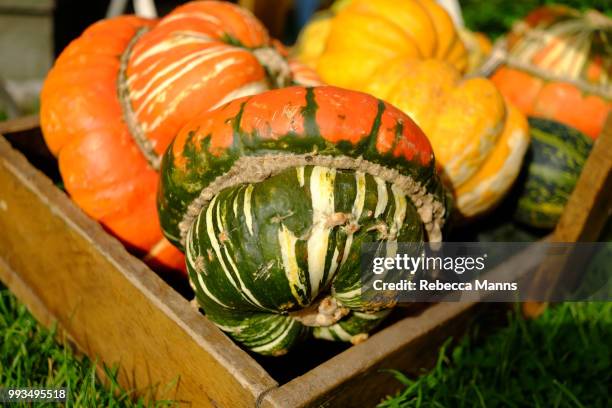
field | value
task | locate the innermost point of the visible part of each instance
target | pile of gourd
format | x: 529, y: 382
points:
x: 197, y: 133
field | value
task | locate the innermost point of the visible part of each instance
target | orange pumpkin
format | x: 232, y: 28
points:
x: 118, y: 94
x: 559, y: 66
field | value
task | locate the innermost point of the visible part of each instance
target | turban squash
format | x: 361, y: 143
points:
x: 271, y: 197
x: 118, y: 95
x: 478, y: 138
x: 559, y: 67
x: 367, y: 34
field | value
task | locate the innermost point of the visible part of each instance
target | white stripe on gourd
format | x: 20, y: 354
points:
x: 348, y: 296
x: 146, y: 71
x: 178, y: 68
x: 241, y: 288
x: 382, y: 198
x: 192, y: 254
x: 324, y: 333
x: 400, y: 211
x: 235, y: 202
x: 358, y: 204
x: 294, y: 274
x: 399, y: 216
x: 163, y: 46
x: 274, y: 326
x: 369, y: 316
x: 191, y: 15
x: 322, y: 197
x: 271, y: 345
x: 333, y: 266
x: 232, y: 329
x: 300, y: 175
x: 246, y: 208
x: 356, y: 211
x: 186, y: 65
x: 340, y: 332
x: 171, y: 107
x: 215, y: 245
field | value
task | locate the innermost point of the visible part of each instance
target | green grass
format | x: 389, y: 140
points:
x: 562, y: 359
x: 30, y: 356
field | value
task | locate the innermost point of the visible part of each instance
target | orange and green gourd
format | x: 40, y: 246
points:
x: 271, y: 197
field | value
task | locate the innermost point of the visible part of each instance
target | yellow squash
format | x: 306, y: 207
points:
x: 478, y: 138
x: 367, y: 34
x: 311, y: 42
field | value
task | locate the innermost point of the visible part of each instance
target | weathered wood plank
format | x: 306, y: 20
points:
x: 65, y: 267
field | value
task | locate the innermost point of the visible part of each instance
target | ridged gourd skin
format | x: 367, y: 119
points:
x: 479, y: 139
x: 367, y: 34
x: 572, y: 56
x: 271, y: 197
x: 552, y: 167
x: 118, y: 94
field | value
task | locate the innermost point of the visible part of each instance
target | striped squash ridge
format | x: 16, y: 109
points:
x: 271, y: 197
x: 200, y: 56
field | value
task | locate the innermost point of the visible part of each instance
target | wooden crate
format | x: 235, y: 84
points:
x: 68, y: 270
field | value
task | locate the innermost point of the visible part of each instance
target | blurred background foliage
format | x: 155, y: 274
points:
x: 495, y: 17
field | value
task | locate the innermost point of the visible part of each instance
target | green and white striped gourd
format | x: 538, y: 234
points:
x: 271, y: 198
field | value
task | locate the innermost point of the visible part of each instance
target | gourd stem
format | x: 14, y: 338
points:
x: 321, y: 313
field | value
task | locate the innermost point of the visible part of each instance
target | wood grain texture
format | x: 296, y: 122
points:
x: 66, y: 268
x: 583, y: 218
